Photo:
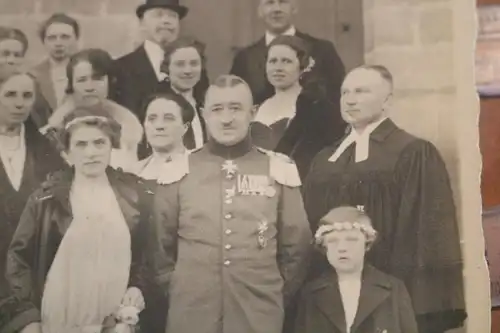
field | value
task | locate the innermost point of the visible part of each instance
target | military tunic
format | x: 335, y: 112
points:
x: 231, y: 239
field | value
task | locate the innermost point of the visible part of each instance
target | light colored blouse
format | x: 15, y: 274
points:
x: 151, y: 168
x: 278, y: 107
x: 13, y: 156
x: 350, y: 290
x: 90, y: 272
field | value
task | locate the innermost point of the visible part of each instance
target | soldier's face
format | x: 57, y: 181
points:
x: 161, y: 25
x: 184, y: 68
x: 89, y: 150
x: 163, y: 126
x: 11, y: 56
x: 60, y: 41
x: 365, y: 96
x: 228, y: 113
x: 345, y: 250
x: 277, y: 14
x: 282, y: 67
x: 17, y: 96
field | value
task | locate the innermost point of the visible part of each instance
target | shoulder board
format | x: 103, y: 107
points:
x: 174, y: 170
x: 282, y: 168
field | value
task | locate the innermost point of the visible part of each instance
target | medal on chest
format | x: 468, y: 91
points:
x: 252, y: 185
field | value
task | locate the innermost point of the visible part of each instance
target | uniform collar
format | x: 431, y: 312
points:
x: 230, y: 152
x: 270, y: 36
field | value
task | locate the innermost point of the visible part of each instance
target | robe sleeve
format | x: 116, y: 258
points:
x: 426, y: 252
x: 164, y: 233
x: 294, y: 241
x: 19, y: 271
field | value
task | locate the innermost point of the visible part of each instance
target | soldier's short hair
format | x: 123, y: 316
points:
x: 229, y: 81
x: 382, y: 71
x: 59, y: 18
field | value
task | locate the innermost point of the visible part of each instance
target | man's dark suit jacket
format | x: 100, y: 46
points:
x: 136, y: 80
x: 327, y: 74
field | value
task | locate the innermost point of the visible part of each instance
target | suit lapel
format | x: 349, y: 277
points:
x: 326, y: 293
x: 375, y: 290
x: 143, y: 66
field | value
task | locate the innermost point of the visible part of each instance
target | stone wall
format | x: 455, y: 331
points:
x: 108, y: 24
x: 428, y: 46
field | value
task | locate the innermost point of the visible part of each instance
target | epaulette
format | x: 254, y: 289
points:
x: 174, y: 170
x: 282, y: 168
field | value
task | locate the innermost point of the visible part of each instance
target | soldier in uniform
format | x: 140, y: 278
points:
x: 231, y: 238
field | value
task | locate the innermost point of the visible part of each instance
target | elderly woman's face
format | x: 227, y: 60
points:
x: 17, y: 96
x: 185, y: 68
x: 345, y: 250
x: 11, y: 56
x: 89, y: 88
x: 163, y: 125
x: 282, y: 67
x: 89, y: 150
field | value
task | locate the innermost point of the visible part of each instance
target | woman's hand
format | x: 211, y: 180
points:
x: 32, y: 328
x: 133, y: 297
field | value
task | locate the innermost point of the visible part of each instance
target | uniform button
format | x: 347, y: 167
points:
x: 227, y: 263
x: 228, y: 216
x: 229, y: 201
x: 228, y: 231
x: 228, y: 247
x: 229, y: 176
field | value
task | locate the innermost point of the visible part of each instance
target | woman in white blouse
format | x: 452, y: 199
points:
x: 167, y: 119
x: 26, y: 157
x: 184, y: 63
x: 90, y: 79
x: 84, y: 253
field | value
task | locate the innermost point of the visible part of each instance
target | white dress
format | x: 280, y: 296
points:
x: 90, y: 272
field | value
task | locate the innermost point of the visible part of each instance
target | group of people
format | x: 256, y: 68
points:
x: 138, y: 196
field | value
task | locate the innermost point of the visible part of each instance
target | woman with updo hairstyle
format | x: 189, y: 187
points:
x: 185, y: 66
x: 80, y: 239
x: 91, y: 77
x: 168, y: 117
x: 352, y: 296
x: 297, y: 120
x: 26, y: 157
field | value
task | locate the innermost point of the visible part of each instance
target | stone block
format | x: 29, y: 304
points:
x: 83, y: 7
x: 430, y: 68
x: 122, y: 6
x: 17, y: 7
x: 115, y: 34
x: 394, y: 25
x: 436, y: 24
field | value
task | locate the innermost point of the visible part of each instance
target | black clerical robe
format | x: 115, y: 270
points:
x: 404, y: 187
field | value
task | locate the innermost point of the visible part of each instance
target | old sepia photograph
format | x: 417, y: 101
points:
x: 249, y: 166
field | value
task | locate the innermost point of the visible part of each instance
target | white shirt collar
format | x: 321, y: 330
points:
x: 14, y: 161
x: 270, y: 36
x: 155, y: 54
x: 362, y: 142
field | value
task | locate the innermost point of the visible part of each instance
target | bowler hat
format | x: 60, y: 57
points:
x: 170, y: 4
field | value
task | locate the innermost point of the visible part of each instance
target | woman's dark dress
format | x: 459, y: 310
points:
x: 314, y: 127
x: 404, y: 187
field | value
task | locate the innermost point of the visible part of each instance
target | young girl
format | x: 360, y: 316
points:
x: 352, y: 296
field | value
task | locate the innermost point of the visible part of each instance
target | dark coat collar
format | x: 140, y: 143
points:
x: 375, y: 289
x: 127, y: 188
x: 380, y: 134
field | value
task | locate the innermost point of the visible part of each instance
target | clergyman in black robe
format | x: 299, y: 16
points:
x: 401, y: 181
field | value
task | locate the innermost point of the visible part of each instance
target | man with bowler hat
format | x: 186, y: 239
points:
x: 138, y: 73
x: 139, y: 76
